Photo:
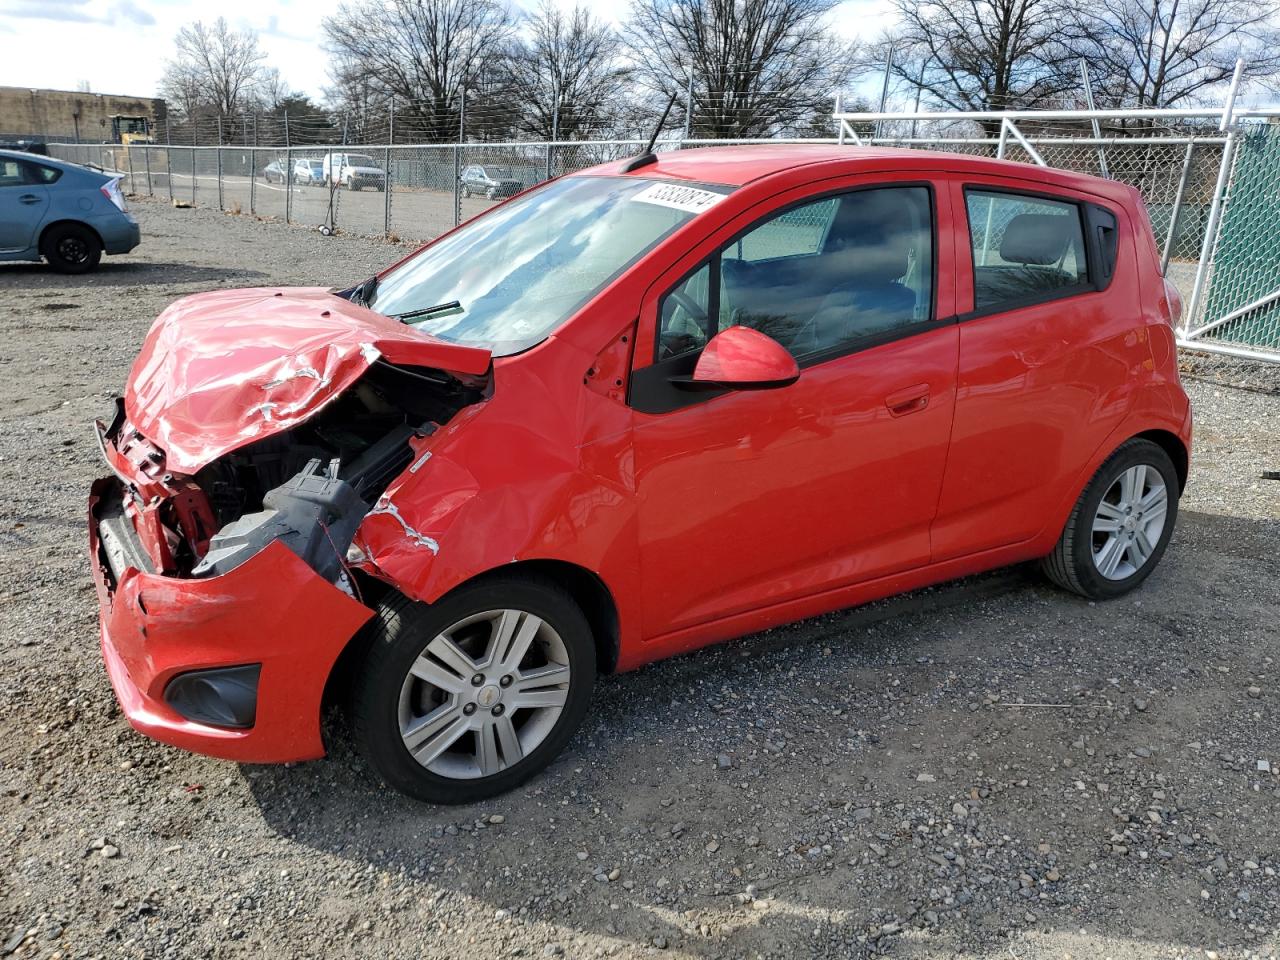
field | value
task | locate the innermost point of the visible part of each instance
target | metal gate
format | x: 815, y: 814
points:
x: 1241, y: 313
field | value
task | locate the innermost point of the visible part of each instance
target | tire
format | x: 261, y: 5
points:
x: 466, y: 192
x: 351, y: 186
x: 491, y: 193
x: 390, y: 704
x: 71, y: 248
x: 1107, y: 549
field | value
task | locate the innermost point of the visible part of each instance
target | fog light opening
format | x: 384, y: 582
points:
x: 221, y: 697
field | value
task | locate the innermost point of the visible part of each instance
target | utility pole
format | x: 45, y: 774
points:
x: 688, y: 105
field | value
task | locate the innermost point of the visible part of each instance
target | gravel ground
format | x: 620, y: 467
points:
x: 988, y: 768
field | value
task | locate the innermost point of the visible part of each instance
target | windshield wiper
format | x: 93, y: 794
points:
x: 427, y: 311
x: 365, y: 292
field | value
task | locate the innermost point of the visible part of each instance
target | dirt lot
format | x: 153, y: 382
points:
x: 990, y: 768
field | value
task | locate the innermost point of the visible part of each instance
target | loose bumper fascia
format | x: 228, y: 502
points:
x: 272, y: 609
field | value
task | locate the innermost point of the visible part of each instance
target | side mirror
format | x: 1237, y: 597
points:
x: 745, y: 359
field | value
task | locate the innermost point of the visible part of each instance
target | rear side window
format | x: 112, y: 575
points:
x: 42, y: 174
x: 1025, y: 249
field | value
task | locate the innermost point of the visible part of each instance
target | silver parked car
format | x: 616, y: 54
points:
x: 65, y: 213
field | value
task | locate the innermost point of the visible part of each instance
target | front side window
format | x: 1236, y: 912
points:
x: 1024, y: 248
x: 819, y: 278
x: 506, y: 280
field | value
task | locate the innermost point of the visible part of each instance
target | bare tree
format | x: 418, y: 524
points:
x: 422, y: 52
x: 981, y: 54
x: 214, y: 67
x: 758, y: 67
x: 272, y: 90
x: 1160, y: 53
x: 564, y: 75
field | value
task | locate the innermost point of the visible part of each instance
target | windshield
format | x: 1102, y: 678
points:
x: 506, y: 280
x: 359, y: 160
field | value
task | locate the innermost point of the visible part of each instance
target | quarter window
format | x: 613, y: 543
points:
x: 1024, y: 248
x: 819, y: 278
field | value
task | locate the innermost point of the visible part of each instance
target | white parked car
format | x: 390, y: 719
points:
x: 355, y: 171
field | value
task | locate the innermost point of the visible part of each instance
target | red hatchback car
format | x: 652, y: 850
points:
x: 625, y: 414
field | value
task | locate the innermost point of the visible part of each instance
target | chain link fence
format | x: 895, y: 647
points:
x: 418, y: 192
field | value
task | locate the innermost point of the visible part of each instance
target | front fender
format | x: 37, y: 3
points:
x: 506, y: 483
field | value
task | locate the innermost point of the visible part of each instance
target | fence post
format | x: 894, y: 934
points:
x: 1176, y: 213
x: 128, y: 152
x: 550, y: 148
x: 1219, y: 195
x: 457, y: 185
x: 288, y: 176
x: 168, y: 160
x: 386, y: 192
x: 220, y: 165
x: 193, y: 176
x: 253, y: 173
x: 1097, y: 128
x: 146, y: 157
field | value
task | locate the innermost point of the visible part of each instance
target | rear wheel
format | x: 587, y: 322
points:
x: 1120, y: 526
x: 71, y: 248
x: 468, y: 697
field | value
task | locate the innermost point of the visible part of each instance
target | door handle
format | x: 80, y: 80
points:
x: 28, y: 198
x: 908, y: 400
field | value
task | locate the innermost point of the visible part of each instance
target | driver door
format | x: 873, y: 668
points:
x: 752, y: 498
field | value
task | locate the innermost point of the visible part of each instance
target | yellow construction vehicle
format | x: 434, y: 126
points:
x: 130, y: 130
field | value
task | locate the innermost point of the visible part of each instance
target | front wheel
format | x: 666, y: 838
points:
x: 468, y: 697
x: 1120, y: 526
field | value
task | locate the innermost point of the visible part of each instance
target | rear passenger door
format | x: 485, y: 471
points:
x: 1048, y: 349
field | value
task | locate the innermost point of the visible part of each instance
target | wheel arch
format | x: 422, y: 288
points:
x: 44, y: 231
x: 586, y: 588
x: 1172, y: 444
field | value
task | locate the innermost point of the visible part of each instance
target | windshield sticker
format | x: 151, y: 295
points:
x: 678, y: 197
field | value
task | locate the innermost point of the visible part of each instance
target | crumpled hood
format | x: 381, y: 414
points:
x: 219, y: 370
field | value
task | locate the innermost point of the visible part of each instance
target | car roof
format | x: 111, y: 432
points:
x: 737, y: 166
x: 65, y: 165
x: 34, y: 157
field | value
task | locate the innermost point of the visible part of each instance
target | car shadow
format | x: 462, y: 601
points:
x: 966, y: 766
x: 112, y: 273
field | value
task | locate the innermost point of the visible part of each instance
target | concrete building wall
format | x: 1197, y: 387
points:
x: 56, y: 115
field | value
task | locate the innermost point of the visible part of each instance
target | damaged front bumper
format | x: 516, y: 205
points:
x: 272, y: 611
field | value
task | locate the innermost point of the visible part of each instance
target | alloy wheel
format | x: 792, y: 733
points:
x: 1129, y: 521
x: 484, y: 694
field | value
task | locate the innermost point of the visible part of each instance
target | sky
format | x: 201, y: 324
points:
x: 119, y: 46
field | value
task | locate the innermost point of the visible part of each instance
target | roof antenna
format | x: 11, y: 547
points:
x: 648, y: 157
